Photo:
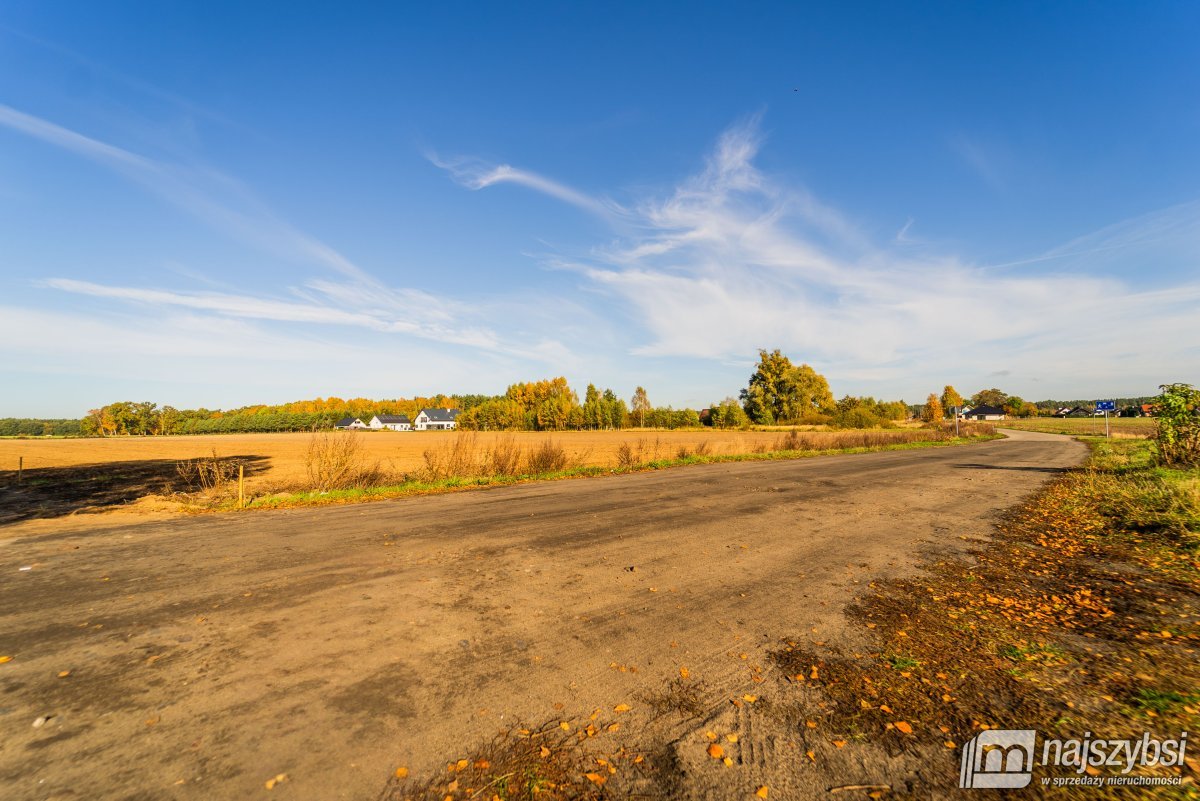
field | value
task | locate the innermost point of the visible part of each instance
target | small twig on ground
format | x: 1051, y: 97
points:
x: 845, y: 787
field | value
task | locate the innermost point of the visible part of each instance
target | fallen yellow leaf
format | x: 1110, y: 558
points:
x: 62, y: 674
x: 839, y: 743
x: 564, y: 726
x: 904, y: 726
x: 812, y: 724
x: 712, y: 735
x: 684, y: 673
x: 596, y: 778
x: 401, y: 773
x: 749, y: 699
x: 622, y: 708
x: 279, y: 779
x: 811, y: 756
x: 715, y: 751
x: 733, y: 738
x: 728, y: 762
x: 545, y: 752
x: 4, y: 659
x: 761, y: 792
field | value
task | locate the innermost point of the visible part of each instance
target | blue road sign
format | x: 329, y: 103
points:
x: 1106, y: 406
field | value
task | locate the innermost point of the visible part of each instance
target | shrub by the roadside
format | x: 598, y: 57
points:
x: 548, y: 457
x: 336, y: 460
x: 856, y: 418
x: 206, y: 474
x: 1178, y: 435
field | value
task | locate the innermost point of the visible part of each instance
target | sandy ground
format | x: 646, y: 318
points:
x: 208, y: 655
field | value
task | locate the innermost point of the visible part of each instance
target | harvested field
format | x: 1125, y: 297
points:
x: 396, y: 451
x: 63, y: 476
x: 1120, y: 427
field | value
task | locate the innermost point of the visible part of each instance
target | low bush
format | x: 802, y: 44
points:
x: 548, y: 457
x: 208, y: 474
x: 504, y: 458
x: 856, y: 418
x: 336, y: 460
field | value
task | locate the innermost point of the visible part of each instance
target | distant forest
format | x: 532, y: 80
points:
x: 549, y: 405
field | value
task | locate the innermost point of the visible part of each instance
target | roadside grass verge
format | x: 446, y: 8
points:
x: 1082, y: 614
x: 453, y: 470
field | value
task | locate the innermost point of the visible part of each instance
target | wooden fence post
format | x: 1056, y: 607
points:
x: 241, y: 486
x: 20, y: 467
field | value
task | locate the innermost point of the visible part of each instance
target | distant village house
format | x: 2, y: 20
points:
x: 396, y: 422
x: 436, y: 420
x: 985, y: 413
x: 427, y: 420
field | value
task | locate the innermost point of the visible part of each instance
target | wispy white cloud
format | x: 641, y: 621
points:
x: 475, y: 174
x: 355, y: 298
x: 113, y: 76
x: 731, y: 260
x: 215, y: 198
x: 1166, y: 239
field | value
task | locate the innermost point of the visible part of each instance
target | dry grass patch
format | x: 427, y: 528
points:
x: 577, y: 760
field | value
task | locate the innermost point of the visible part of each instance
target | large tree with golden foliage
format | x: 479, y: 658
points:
x: 951, y: 399
x: 932, y: 413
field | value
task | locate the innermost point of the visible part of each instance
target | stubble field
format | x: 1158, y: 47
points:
x: 279, y: 459
x: 1119, y: 427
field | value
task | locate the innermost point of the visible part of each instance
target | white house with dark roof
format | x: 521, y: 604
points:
x: 986, y: 413
x: 435, y: 420
x: 396, y: 422
x: 347, y: 423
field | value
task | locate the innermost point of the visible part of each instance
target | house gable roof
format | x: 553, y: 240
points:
x: 980, y: 411
x: 440, y: 415
x: 345, y: 421
x: 392, y: 419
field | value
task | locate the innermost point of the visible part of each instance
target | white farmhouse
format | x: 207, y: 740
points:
x: 396, y: 422
x: 347, y: 423
x: 435, y: 420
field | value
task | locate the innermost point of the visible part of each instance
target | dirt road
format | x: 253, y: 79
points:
x: 207, y: 655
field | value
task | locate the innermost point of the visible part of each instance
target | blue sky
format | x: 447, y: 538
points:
x: 219, y: 204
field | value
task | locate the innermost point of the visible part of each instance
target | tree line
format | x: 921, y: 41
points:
x: 547, y: 405
x: 937, y: 407
x: 778, y: 392
x: 32, y: 427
